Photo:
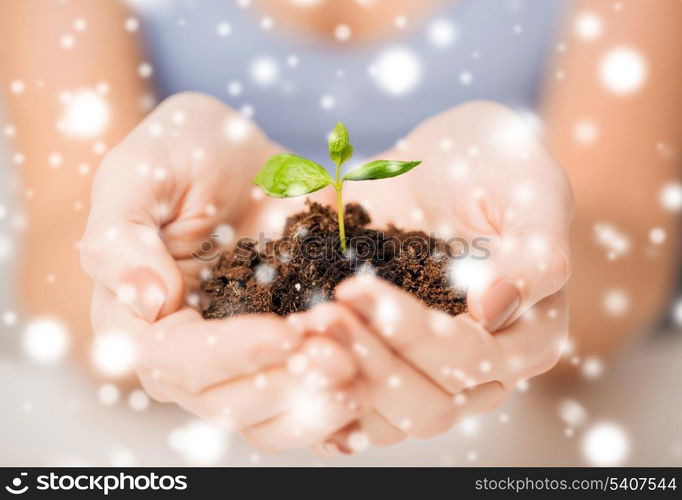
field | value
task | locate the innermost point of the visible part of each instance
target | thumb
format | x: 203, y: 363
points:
x: 520, y: 272
x: 131, y: 260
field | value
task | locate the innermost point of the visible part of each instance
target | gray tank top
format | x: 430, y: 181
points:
x: 298, y: 87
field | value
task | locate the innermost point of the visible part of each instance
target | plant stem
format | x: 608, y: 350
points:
x: 338, y: 185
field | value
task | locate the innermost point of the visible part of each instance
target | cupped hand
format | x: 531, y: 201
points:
x: 427, y: 370
x: 157, y: 197
x: 188, y: 168
x: 486, y: 179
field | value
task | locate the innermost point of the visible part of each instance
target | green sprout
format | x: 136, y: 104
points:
x: 286, y: 175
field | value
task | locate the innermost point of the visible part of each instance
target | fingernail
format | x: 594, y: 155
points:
x: 499, y: 303
x: 150, y: 292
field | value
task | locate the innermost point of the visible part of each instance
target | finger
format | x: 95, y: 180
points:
x: 193, y: 353
x: 480, y: 399
x: 379, y: 431
x: 452, y: 351
x: 337, y: 445
x: 457, y: 352
x: 130, y: 259
x: 326, y: 450
x: 194, y: 273
x: 371, y: 428
x: 394, y: 385
x: 122, y: 248
x: 151, y: 386
x: 311, y: 419
x: 521, y: 271
x: 531, y: 255
x: 526, y: 200
x: 320, y: 364
x: 151, y: 198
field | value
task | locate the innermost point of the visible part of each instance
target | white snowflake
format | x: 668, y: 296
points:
x: 67, y: 41
x: 46, y: 340
x: 605, y: 444
x: 657, y: 236
x: 234, y: 88
x: 343, y: 32
x: 265, y: 273
x: 17, y: 87
x: 267, y: 23
x: 113, y: 353
x: 572, y: 412
x: 588, y: 26
x: 131, y: 24
x: 442, y: 33
x: 237, y: 129
x: 677, y: 312
x: 327, y: 102
x: 108, y: 394
x: 6, y: 247
x: 358, y: 441
x: 198, y: 442
x: 138, y: 400
x: 400, y: 21
x: 466, y: 78
x: 85, y: 114
x: 585, y: 132
x: 264, y: 71
x: 9, y: 318
x: 623, y: 70
x: 671, y: 196
x: 223, y: 234
x: 79, y: 24
x: 145, y: 70
x: 223, y: 29
x: 611, y: 239
x: 616, y: 302
x: 397, y: 71
x: 592, y: 368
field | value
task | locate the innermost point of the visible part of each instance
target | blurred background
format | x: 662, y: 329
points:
x: 600, y: 82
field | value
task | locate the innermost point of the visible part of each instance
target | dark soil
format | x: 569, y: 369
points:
x: 305, y: 266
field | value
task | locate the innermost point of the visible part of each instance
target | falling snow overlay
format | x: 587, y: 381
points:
x: 76, y: 394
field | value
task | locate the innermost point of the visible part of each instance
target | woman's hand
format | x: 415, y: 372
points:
x: 484, y: 175
x: 162, y: 192
x: 427, y: 370
x: 186, y: 169
x: 255, y: 374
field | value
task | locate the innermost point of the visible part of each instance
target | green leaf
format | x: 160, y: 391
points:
x: 380, y: 169
x: 286, y: 176
x: 340, y: 148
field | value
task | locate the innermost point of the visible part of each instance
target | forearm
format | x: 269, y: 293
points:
x: 615, y: 149
x: 57, y: 163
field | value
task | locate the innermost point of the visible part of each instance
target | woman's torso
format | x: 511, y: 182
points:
x: 298, y: 87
